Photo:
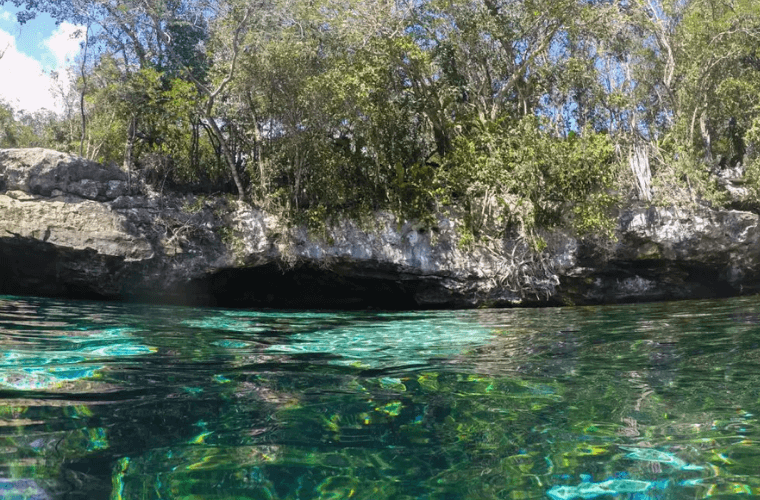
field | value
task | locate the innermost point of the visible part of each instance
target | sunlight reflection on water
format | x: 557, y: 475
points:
x: 647, y: 401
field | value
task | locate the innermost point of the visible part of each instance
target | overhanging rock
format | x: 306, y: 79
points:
x: 73, y: 228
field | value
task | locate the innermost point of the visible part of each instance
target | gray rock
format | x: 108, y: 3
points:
x: 73, y: 228
x: 667, y: 253
x: 43, y: 172
x: 28, y: 489
x: 115, y: 189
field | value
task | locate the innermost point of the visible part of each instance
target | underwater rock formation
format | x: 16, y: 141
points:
x: 593, y: 490
x: 74, y: 228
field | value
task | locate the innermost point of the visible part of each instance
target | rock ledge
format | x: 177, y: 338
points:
x: 74, y: 228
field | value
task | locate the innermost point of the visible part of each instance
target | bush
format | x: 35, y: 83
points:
x: 515, y: 175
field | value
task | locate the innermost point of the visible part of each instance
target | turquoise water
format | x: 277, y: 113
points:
x: 116, y: 401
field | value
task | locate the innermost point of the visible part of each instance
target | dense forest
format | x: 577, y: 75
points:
x: 516, y: 114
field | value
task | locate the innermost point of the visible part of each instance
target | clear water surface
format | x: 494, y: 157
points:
x: 117, y: 401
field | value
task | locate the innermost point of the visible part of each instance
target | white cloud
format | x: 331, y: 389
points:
x: 7, y: 16
x: 24, y: 84
x: 64, y: 43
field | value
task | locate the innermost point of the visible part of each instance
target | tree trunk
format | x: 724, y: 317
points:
x: 84, y: 90
x: 704, y: 128
x: 131, y: 130
x: 639, y: 161
x: 230, y: 160
x: 259, y: 161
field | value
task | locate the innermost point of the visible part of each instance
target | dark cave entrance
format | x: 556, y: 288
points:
x: 307, y: 286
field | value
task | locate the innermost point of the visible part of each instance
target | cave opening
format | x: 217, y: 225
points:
x: 305, y: 286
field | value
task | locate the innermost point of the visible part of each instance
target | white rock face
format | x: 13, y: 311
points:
x: 694, y: 235
x: 78, y: 225
x: 391, y: 249
x: 73, y: 227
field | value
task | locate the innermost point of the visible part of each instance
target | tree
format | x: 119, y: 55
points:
x: 719, y: 75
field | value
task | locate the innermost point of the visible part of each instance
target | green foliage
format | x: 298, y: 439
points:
x: 593, y: 216
x: 316, y: 219
x: 514, y: 174
x: 414, y: 191
x: 197, y: 205
x: 166, y: 122
x: 14, y: 133
x: 466, y: 238
x: 752, y: 181
x: 719, y: 94
x: 516, y: 116
x: 683, y: 179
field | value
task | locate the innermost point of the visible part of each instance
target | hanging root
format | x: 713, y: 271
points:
x: 523, y: 270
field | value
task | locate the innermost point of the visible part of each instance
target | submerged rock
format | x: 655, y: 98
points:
x: 593, y: 490
x: 653, y: 455
x: 26, y: 489
x: 70, y: 227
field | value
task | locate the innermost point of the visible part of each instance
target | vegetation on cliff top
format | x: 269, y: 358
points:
x: 518, y: 113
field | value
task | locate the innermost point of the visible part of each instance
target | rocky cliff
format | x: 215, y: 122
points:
x: 74, y: 228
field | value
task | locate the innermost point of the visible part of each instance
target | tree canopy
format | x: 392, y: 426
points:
x: 516, y: 113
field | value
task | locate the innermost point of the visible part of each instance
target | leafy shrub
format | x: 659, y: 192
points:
x: 515, y: 175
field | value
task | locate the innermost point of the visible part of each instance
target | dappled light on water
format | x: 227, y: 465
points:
x: 119, y: 401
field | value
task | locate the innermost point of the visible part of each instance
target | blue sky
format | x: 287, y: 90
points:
x: 30, y: 53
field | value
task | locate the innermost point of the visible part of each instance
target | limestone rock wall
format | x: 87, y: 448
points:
x: 69, y: 227
x: 665, y: 253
